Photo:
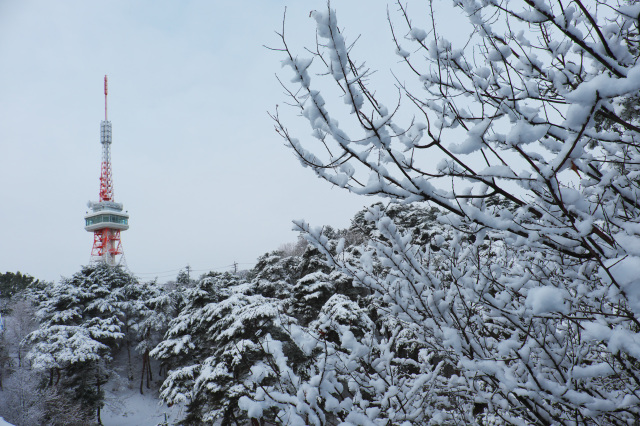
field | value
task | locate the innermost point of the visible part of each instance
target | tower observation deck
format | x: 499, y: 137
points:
x: 106, y: 218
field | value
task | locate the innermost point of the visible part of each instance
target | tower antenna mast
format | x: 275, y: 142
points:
x: 106, y: 219
x: 106, y: 91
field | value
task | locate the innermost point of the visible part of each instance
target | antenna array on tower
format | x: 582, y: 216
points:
x: 107, y: 218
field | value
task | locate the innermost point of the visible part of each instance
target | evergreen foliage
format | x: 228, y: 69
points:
x: 81, y: 326
x: 219, y: 348
x: 11, y: 284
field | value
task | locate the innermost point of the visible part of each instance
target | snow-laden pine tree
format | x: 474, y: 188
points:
x: 81, y: 325
x: 211, y: 347
x: 149, y: 307
x: 529, y: 311
x: 220, y: 346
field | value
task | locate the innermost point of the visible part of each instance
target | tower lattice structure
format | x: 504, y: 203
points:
x: 106, y: 218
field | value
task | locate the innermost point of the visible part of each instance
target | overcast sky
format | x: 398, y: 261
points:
x: 196, y: 162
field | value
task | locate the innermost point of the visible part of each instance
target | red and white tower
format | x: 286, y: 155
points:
x: 106, y: 218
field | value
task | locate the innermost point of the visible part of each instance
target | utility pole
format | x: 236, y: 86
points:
x: 188, y: 273
x: 235, y: 268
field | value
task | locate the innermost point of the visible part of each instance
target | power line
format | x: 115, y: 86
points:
x: 172, y: 272
x: 159, y: 272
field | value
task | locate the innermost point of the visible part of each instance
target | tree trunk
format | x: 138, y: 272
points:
x: 99, y: 406
x: 144, y: 366
x: 149, y: 374
x: 130, y: 367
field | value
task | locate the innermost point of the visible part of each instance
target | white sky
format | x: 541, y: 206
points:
x: 196, y: 161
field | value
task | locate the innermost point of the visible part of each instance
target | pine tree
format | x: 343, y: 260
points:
x: 148, y: 307
x: 188, y: 340
x: 12, y: 284
x: 216, y: 349
x: 81, y: 325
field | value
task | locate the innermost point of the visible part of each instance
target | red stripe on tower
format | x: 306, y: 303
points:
x: 106, y: 218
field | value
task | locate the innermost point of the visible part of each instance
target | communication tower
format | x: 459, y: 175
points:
x: 106, y: 218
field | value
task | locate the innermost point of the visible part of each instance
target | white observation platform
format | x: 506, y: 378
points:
x: 106, y: 214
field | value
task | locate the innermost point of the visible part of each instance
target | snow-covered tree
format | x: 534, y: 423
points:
x: 149, y: 307
x: 24, y: 402
x: 14, y: 327
x: 189, y: 341
x: 529, y: 310
x: 216, y: 343
x: 81, y: 325
x: 220, y: 347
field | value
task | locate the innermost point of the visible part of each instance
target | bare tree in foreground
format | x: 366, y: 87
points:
x: 531, y: 314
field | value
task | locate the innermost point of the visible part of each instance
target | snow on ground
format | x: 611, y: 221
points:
x: 126, y: 407
x: 3, y: 422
